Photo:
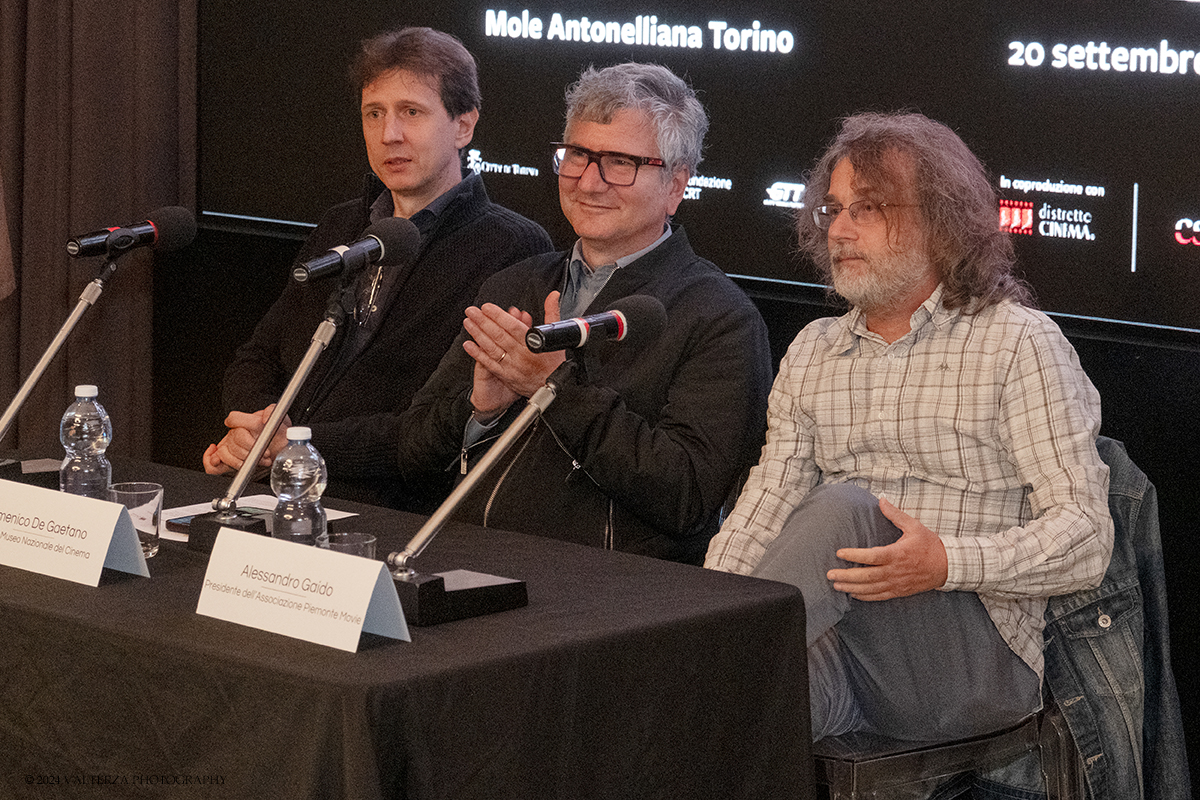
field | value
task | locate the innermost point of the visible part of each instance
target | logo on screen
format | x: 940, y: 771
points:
x: 1187, y: 231
x: 1016, y: 216
x: 477, y: 164
x: 698, y: 183
x: 787, y: 195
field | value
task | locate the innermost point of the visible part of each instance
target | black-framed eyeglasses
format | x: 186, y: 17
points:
x: 616, y: 169
x: 862, y: 212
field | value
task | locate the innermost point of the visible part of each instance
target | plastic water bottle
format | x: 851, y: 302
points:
x: 298, y: 478
x: 85, y: 432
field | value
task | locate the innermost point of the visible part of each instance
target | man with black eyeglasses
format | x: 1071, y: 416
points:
x: 931, y: 473
x: 643, y: 443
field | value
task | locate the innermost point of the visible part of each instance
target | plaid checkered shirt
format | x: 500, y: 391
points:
x: 982, y: 427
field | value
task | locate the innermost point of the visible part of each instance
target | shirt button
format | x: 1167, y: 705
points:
x: 1105, y: 621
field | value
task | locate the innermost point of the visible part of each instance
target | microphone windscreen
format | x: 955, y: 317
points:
x: 645, y: 316
x: 399, y: 237
x: 176, y: 228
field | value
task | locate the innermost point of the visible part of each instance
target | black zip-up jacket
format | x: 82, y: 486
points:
x: 640, y: 453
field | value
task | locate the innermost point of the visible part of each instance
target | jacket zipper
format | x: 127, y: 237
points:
x: 575, y: 465
x: 487, y: 509
x: 610, y: 532
x: 464, y: 454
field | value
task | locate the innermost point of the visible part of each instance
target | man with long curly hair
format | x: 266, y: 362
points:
x: 930, y: 475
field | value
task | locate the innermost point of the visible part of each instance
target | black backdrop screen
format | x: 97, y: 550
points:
x: 1086, y: 114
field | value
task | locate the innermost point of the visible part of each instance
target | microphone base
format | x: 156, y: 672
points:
x: 203, y: 529
x: 426, y: 600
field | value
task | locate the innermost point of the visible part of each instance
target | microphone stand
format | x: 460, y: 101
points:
x: 203, y: 529
x: 91, y: 293
x: 425, y: 599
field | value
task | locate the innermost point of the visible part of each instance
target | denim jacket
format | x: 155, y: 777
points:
x: 1108, y: 661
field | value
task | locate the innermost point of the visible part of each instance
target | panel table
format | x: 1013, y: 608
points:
x: 624, y: 677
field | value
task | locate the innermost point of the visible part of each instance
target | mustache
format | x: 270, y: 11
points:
x: 838, y: 252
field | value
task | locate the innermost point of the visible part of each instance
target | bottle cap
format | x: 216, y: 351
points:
x: 297, y: 432
x: 86, y: 390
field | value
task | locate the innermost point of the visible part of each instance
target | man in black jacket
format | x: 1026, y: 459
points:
x: 420, y: 103
x: 643, y: 443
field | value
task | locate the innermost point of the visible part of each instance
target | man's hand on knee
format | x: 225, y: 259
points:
x: 914, y: 563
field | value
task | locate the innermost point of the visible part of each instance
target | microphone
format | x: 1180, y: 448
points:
x: 390, y: 241
x: 168, y: 228
x: 633, y: 318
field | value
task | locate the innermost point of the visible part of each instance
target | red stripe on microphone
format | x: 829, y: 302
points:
x: 622, y: 325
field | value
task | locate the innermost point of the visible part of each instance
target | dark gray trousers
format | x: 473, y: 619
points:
x: 929, y: 667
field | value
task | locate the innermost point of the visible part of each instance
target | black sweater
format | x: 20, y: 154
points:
x: 353, y: 405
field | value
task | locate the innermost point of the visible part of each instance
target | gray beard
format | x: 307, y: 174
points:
x: 883, y: 283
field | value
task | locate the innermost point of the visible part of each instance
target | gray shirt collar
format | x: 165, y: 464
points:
x: 583, y: 282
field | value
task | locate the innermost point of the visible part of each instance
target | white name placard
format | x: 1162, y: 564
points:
x: 303, y: 592
x: 66, y: 536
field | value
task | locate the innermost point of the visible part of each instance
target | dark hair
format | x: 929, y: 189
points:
x: 974, y: 259
x: 426, y: 52
x: 679, y: 119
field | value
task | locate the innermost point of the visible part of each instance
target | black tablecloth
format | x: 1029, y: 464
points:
x: 625, y: 677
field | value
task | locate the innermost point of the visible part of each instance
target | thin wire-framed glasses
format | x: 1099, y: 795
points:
x: 616, y: 169
x: 862, y: 212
